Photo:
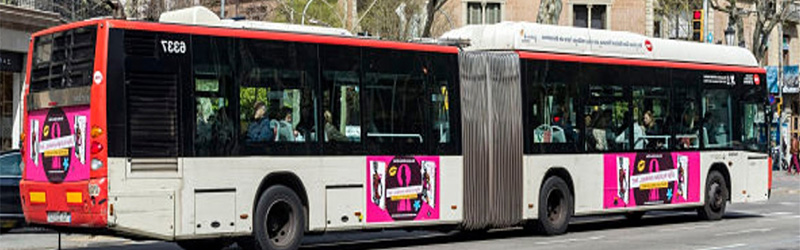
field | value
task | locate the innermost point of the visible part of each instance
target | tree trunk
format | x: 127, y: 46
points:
x: 430, y: 13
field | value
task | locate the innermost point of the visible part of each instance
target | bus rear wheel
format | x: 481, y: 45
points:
x: 555, y: 207
x: 279, y: 219
x: 716, y: 197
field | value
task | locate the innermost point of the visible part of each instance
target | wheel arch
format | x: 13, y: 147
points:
x: 562, y: 173
x: 288, y: 179
x: 722, y: 169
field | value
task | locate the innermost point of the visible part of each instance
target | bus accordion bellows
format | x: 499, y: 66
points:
x: 202, y: 131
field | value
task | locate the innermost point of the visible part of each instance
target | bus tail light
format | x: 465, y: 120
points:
x: 74, y: 197
x: 96, y: 147
x: 96, y: 131
x: 96, y: 164
x: 37, y: 197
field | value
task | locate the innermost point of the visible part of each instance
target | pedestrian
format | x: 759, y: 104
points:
x: 795, y: 150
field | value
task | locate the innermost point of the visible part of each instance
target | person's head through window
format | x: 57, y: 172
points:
x: 287, y: 115
x: 647, y: 120
x: 259, y: 110
x: 328, y: 117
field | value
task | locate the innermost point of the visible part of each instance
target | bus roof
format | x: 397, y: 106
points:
x: 200, y: 15
x: 522, y: 36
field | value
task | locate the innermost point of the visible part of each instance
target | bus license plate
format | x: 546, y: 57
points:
x: 59, y: 217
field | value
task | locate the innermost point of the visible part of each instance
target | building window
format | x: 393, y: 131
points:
x: 484, y: 13
x: 598, y: 15
x: 657, y: 29
x: 580, y: 16
x: 586, y: 16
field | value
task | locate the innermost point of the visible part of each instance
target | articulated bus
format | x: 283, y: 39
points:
x: 205, y: 131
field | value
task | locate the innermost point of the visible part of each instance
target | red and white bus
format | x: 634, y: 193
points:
x: 202, y: 131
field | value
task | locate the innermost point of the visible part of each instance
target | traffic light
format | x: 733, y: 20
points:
x: 697, y: 25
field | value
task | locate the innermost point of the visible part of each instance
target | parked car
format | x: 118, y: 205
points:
x: 10, y: 207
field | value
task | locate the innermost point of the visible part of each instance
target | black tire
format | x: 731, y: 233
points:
x: 203, y: 244
x: 634, y: 216
x: 279, y: 220
x: 716, y: 197
x: 4, y: 230
x: 555, y: 207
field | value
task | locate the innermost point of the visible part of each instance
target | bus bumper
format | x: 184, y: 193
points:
x: 71, y: 200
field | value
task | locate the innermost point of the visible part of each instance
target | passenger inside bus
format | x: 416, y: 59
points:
x: 640, y: 131
x: 284, y: 130
x: 260, y: 129
x: 601, y: 130
x: 687, y: 129
x: 709, y: 128
x: 331, y: 133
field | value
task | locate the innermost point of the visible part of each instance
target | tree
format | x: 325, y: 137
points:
x: 549, y: 12
x: 431, y: 8
x: 76, y: 10
x: 767, y: 13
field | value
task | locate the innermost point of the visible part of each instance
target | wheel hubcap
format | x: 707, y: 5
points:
x: 555, y: 206
x: 279, y: 223
x: 716, y: 197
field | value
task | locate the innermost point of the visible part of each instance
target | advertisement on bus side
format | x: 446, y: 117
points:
x: 402, y: 188
x: 57, y: 146
x: 643, y: 179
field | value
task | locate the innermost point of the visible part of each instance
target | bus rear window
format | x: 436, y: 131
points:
x: 63, y: 59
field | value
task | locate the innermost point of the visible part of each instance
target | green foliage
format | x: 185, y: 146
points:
x: 247, y: 99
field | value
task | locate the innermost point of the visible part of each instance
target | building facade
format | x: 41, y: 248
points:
x: 18, y: 20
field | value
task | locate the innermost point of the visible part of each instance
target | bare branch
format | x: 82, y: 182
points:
x: 366, y: 12
x: 439, y: 4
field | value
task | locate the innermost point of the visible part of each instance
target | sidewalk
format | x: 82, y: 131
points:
x: 785, y: 183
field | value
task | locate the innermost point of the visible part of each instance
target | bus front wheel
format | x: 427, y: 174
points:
x: 555, y: 207
x: 279, y: 219
x: 716, y: 197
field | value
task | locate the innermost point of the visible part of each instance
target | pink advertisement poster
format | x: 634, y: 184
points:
x: 643, y: 179
x: 402, y: 188
x: 58, y: 145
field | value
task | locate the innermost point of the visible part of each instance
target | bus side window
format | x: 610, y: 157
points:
x: 606, y: 110
x: 752, y: 119
x: 214, y: 129
x: 552, y: 103
x: 341, y: 94
x: 685, y: 113
x: 651, y: 109
x: 276, y: 95
x: 716, y: 129
x: 396, y: 99
x: 443, y: 69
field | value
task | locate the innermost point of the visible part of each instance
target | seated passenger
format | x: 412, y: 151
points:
x: 331, y: 133
x: 284, y: 129
x: 600, y: 131
x: 638, y: 131
x: 710, y: 128
x: 260, y: 129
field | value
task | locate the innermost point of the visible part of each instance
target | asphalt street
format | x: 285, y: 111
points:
x: 769, y: 225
